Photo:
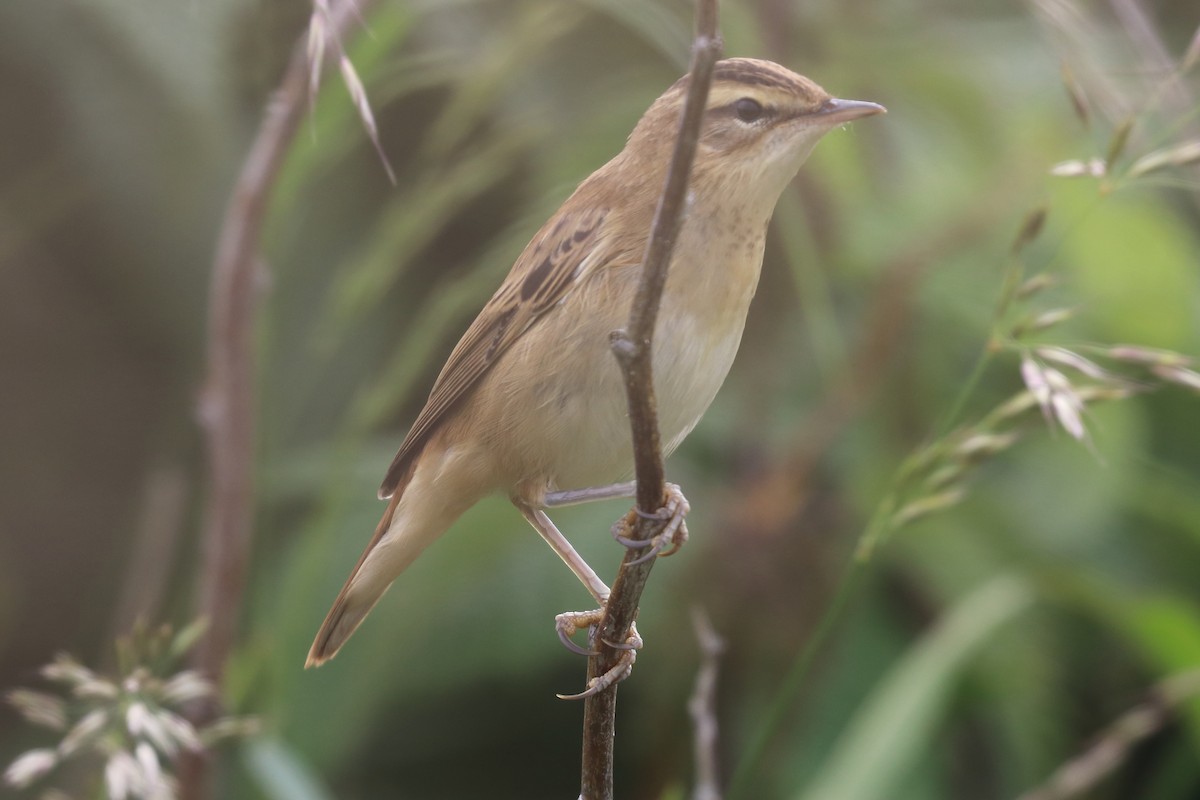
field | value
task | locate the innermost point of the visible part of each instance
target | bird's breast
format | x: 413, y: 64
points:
x: 561, y: 418
x: 712, y: 281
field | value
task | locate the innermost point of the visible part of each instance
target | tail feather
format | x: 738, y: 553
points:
x: 351, y: 607
x: 427, y: 499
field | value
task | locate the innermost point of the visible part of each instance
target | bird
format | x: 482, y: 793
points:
x: 530, y: 402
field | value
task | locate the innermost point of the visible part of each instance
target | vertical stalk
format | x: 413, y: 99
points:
x: 632, y: 348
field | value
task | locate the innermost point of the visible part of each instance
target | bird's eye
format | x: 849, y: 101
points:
x: 748, y: 109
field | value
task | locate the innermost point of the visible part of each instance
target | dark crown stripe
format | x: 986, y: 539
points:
x: 742, y: 73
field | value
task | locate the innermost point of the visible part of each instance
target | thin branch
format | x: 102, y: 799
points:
x: 226, y: 409
x: 1112, y: 748
x: 227, y: 405
x: 632, y: 348
x: 703, y: 708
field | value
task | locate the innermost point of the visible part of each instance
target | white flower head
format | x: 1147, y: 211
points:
x: 92, y: 723
x: 123, y: 777
x: 186, y: 686
x: 146, y: 724
x: 1057, y: 398
x: 29, y: 767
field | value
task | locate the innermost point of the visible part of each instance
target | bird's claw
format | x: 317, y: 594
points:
x: 672, y: 536
x: 618, y: 672
x: 568, y: 623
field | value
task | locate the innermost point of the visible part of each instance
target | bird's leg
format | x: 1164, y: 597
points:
x: 569, y: 622
x: 665, y: 543
x: 574, y: 497
x: 544, y: 526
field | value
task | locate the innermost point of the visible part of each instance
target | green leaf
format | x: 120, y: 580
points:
x: 280, y: 773
x: 885, y: 738
x: 187, y: 637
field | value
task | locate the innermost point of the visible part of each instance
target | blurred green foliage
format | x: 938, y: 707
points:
x: 982, y: 647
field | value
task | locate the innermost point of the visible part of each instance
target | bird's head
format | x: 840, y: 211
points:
x: 760, y: 123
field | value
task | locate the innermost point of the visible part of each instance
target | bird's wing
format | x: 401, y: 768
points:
x: 567, y: 248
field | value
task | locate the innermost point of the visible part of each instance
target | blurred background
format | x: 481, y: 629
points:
x: 1026, y: 591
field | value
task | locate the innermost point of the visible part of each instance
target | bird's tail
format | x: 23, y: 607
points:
x: 413, y: 519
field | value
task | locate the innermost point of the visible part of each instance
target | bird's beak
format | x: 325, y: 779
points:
x: 836, y: 111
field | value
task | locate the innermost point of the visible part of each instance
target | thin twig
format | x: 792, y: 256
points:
x: 703, y: 708
x: 226, y: 408
x: 632, y: 348
x: 1112, y: 748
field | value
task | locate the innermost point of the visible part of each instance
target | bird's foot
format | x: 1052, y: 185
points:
x: 673, y: 535
x: 573, y: 621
